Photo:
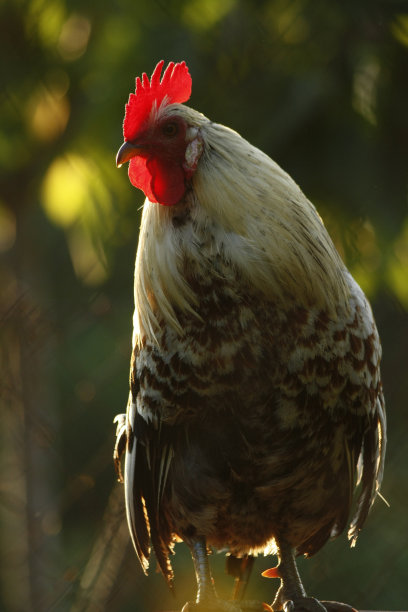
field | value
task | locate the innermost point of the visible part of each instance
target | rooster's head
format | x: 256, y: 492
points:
x: 163, y: 149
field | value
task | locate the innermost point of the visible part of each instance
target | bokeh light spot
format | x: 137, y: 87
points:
x: 65, y: 189
x: 48, y: 112
x: 74, y: 37
x: 203, y: 14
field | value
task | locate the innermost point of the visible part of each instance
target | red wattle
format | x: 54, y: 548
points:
x: 162, y: 181
x: 140, y: 177
x: 167, y: 181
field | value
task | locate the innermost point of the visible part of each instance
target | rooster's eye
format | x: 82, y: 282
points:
x: 170, y: 129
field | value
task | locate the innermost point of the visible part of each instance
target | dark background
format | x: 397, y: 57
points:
x: 322, y: 86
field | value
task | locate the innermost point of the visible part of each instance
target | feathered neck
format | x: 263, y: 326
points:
x: 244, y: 207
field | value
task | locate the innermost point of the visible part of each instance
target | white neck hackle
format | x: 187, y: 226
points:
x: 243, y: 205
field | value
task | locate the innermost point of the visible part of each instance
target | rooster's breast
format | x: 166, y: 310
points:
x: 254, y: 399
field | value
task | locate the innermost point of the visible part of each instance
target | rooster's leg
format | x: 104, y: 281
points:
x: 207, y: 600
x: 291, y: 596
x: 205, y: 584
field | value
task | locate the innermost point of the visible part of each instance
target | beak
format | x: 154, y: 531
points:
x: 127, y: 151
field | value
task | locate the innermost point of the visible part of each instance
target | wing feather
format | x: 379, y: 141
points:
x: 147, y: 462
x: 135, y: 511
x: 372, y: 461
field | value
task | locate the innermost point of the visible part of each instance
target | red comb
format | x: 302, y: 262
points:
x: 175, y: 86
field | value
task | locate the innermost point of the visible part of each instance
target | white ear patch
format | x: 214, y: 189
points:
x: 193, y: 153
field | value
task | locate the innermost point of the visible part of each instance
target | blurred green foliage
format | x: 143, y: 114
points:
x: 320, y: 86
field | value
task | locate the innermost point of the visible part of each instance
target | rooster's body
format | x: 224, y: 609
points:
x: 255, y: 383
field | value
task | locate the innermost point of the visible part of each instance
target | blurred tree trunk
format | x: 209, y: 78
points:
x: 29, y: 518
x: 100, y: 578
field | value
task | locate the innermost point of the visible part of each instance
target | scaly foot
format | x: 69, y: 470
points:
x: 291, y: 596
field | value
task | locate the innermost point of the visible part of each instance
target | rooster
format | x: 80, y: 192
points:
x: 255, y: 404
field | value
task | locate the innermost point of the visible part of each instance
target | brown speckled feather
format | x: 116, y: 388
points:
x: 252, y: 421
